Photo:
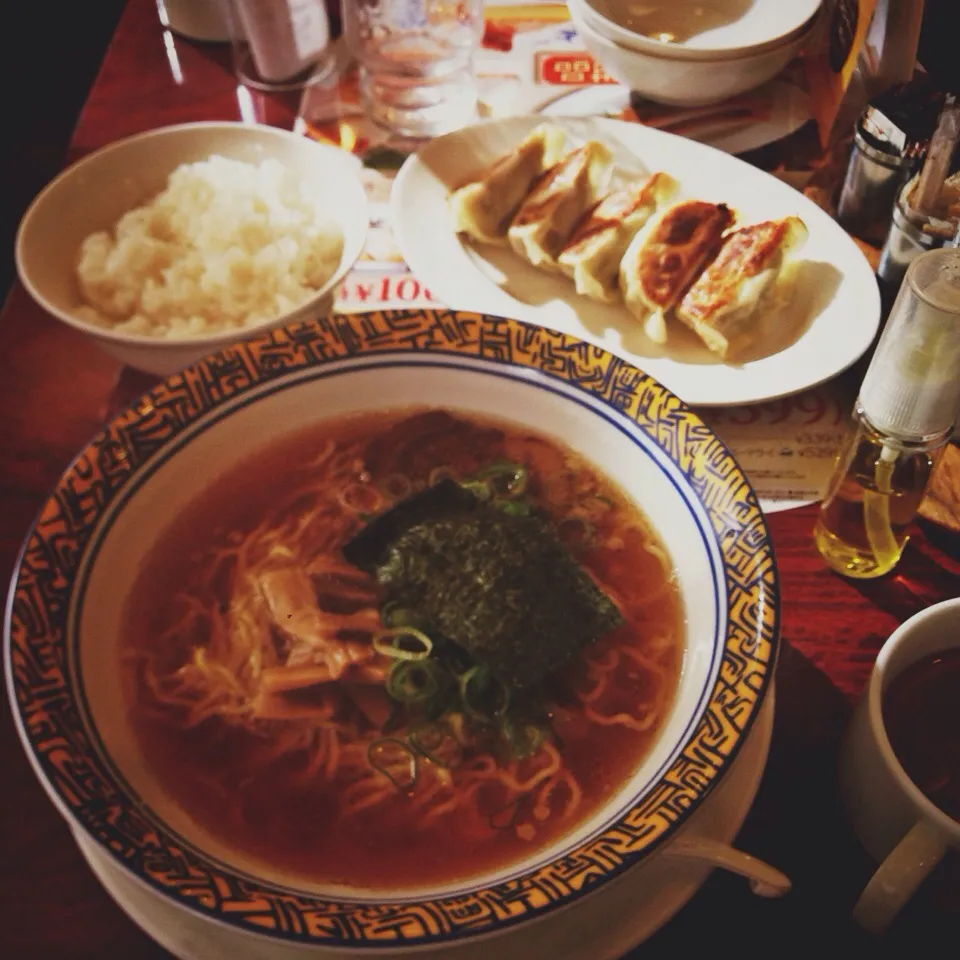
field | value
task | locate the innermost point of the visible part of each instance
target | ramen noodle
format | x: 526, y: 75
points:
x: 402, y: 649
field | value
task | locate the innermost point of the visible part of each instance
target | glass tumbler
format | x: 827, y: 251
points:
x: 280, y: 45
x: 416, y: 60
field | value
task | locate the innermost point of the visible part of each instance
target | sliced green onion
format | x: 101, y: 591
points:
x: 395, y: 760
x: 535, y: 736
x: 478, y: 488
x: 506, y: 479
x: 395, y: 615
x: 438, y: 745
x: 524, y: 741
x: 507, y: 731
x: 390, y: 614
x: 515, y: 508
x: 474, y: 684
x: 403, y: 643
x: 415, y: 681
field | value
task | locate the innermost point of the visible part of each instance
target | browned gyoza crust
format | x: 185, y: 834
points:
x: 683, y: 240
x: 745, y: 253
x: 611, y: 211
x: 593, y: 254
x: 556, y: 203
x: 723, y: 304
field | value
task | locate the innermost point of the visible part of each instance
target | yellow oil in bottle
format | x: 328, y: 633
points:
x: 877, y: 487
x: 906, y: 410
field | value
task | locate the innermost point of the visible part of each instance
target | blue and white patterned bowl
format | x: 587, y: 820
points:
x: 80, y: 560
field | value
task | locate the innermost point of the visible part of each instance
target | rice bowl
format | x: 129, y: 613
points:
x: 226, y: 245
x: 101, y: 188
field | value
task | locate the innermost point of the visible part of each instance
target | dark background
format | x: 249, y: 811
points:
x: 49, y: 57
x: 50, y: 54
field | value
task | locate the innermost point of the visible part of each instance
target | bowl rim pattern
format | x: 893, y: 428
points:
x: 42, y: 682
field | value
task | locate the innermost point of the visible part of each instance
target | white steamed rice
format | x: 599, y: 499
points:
x: 225, y: 246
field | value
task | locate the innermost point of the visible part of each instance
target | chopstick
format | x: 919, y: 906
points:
x: 742, y: 109
x: 687, y: 123
x: 923, y: 198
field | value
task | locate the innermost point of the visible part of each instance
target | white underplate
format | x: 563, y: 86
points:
x: 833, y: 319
x: 603, y: 926
x: 789, y: 110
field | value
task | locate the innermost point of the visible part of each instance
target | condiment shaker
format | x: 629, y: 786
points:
x: 881, y: 162
x: 904, y: 416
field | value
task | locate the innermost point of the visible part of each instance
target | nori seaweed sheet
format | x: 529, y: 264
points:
x: 368, y: 547
x: 502, y: 587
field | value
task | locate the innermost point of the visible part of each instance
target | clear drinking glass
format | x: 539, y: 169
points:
x: 416, y: 60
x: 280, y: 45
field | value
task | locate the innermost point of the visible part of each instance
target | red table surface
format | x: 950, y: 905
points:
x: 56, y: 389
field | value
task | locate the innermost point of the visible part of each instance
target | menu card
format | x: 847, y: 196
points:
x: 531, y: 57
x: 787, y: 447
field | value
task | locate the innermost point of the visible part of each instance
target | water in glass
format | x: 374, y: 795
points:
x: 416, y: 61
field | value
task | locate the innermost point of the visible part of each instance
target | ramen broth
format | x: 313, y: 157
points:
x: 675, y: 22
x: 294, y: 778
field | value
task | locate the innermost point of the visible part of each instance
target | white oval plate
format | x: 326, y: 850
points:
x: 832, y: 321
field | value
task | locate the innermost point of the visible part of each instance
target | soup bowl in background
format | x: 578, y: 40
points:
x: 694, y: 30
x: 98, y: 189
x: 683, y: 82
x: 80, y: 562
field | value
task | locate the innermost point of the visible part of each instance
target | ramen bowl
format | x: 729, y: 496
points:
x: 93, y: 193
x: 83, y: 563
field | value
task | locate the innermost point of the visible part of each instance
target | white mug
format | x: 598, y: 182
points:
x: 895, y: 821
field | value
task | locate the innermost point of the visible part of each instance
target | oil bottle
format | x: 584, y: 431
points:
x: 903, y: 418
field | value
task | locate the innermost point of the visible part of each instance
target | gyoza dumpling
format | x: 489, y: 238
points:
x: 563, y: 194
x: 722, y: 304
x: 484, y: 208
x: 593, y: 253
x: 662, y: 261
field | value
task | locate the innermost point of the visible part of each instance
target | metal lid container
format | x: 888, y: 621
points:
x: 910, y: 234
x: 869, y: 192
